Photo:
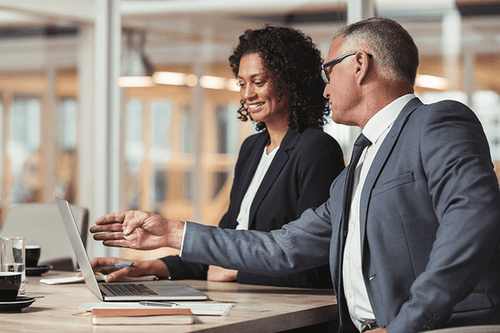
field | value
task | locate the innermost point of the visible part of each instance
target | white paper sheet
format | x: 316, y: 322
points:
x: 198, y: 308
x: 99, y: 276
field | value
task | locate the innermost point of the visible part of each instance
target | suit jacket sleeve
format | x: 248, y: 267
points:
x: 297, y: 246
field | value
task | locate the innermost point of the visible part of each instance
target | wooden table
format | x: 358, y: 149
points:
x: 256, y: 309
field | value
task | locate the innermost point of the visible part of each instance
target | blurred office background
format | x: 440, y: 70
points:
x: 118, y: 105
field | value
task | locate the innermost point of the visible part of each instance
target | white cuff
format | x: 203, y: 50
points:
x: 183, y: 236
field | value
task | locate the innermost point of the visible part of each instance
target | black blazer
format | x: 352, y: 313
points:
x: 298, y: 178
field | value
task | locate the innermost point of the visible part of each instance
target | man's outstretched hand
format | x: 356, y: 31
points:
x: 138, y: 230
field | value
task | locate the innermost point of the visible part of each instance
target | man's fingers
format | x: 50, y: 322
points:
x: 115, y: 243
x: 111, y: 218
x: 127, y: 221
x: 107, y: 228
x: 109, y: 236
x: 133, y: 221
x: 97, y: 230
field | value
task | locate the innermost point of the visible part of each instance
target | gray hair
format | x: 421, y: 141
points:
x: 393, y: 49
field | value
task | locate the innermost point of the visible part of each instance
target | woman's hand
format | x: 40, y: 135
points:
x: 220, y: 274
x: 139, y: 268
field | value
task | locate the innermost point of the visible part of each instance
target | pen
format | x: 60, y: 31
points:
x: 168, y: 305
x: 117, y: 265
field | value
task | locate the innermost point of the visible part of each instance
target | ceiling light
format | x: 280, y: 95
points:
x: 176, y: 79
x: 191, y: 80
x: 135, y: 81
x: 433, y: 82
x: 213, y: 82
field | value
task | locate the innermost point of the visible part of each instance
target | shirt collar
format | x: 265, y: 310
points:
x: 385, y: 118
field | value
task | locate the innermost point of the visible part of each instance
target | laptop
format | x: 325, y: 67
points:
x: 122, y: 291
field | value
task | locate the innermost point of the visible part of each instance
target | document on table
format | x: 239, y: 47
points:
x: 198, y: 308
x: 99, y: 276
x: 62, y: 280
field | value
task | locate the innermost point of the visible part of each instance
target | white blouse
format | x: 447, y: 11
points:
x: 246, y: 203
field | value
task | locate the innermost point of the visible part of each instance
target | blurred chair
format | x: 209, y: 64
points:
x: 469, y: 329
x: 41, y: 224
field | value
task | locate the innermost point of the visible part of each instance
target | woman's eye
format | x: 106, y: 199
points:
x: 241, y: 84
x: 259, y: 83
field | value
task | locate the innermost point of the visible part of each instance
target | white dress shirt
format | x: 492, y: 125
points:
x: 355, y: 291
x: 246, y: 203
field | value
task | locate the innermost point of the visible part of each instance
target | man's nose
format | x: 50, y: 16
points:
x: 326, y: 91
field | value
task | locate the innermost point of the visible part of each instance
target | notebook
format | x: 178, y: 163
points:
x: 122, y: 291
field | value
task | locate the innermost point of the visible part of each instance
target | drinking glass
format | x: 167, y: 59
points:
x: 13, y: 258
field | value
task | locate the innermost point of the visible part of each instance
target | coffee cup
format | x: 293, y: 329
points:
x: 32, y: 255
x: 9, y: 285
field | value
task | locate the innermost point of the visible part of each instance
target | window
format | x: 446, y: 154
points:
x: 160, y: 153
x: 134, y: 153
x: 67, y: 123
x: 23, y: 150
x: 227, y: 129
x: 66, y: 164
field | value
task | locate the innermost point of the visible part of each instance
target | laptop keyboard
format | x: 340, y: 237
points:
x: 129, y: 289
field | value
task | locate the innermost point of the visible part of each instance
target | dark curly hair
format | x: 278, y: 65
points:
x: 294, y: 60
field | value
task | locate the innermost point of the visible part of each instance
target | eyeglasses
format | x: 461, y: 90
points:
x: 325, y: 75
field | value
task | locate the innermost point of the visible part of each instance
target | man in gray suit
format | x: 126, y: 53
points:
x: 416, y: 246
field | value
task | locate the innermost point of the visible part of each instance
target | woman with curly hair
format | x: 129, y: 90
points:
x: 292, y: 59
x: 281, y: 171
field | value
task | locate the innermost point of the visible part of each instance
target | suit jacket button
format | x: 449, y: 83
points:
x: 436, y: 316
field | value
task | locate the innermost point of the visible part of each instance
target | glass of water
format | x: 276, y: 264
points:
x: 13, y: 258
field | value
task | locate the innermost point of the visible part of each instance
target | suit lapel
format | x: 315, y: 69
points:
x: 278, y: 163
x: 380, y: 160
x: 375, y: 169
x: 247, y: 173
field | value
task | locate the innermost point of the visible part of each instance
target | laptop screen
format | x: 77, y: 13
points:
x: 76, y: 241
x: 165, y: 290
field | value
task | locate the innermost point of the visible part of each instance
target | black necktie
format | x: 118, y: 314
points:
x: 361, y: 143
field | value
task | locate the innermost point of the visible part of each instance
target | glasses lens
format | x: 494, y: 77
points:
x: 325, y: 75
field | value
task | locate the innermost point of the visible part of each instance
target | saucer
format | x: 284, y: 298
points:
x: 19, y: 303
x: 38, y: 270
